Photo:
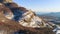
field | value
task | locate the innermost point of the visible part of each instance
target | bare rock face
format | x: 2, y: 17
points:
x: 19, y: 20
x: 5, y: 1
x: 11, y: 5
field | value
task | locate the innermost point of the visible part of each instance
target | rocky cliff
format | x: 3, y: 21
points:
x: 18, y: 20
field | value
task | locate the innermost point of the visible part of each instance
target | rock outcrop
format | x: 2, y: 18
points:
x: 19, y: 20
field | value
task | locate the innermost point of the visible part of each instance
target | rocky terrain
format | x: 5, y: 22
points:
x: 19, y: 20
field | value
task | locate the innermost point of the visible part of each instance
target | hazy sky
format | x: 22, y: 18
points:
x: 40, y: 5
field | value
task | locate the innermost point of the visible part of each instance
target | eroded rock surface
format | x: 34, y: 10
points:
x: 19, y: 20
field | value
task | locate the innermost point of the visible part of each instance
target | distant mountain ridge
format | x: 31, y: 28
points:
x: 40, y: 13
x: 54, y: 14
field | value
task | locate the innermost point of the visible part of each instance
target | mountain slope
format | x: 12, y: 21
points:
x: 15, y: 19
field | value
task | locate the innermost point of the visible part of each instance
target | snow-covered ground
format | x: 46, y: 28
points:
x: 30, y: 20
x: 57, y: 29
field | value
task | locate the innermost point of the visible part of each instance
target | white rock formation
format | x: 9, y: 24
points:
x: 31, y: 20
